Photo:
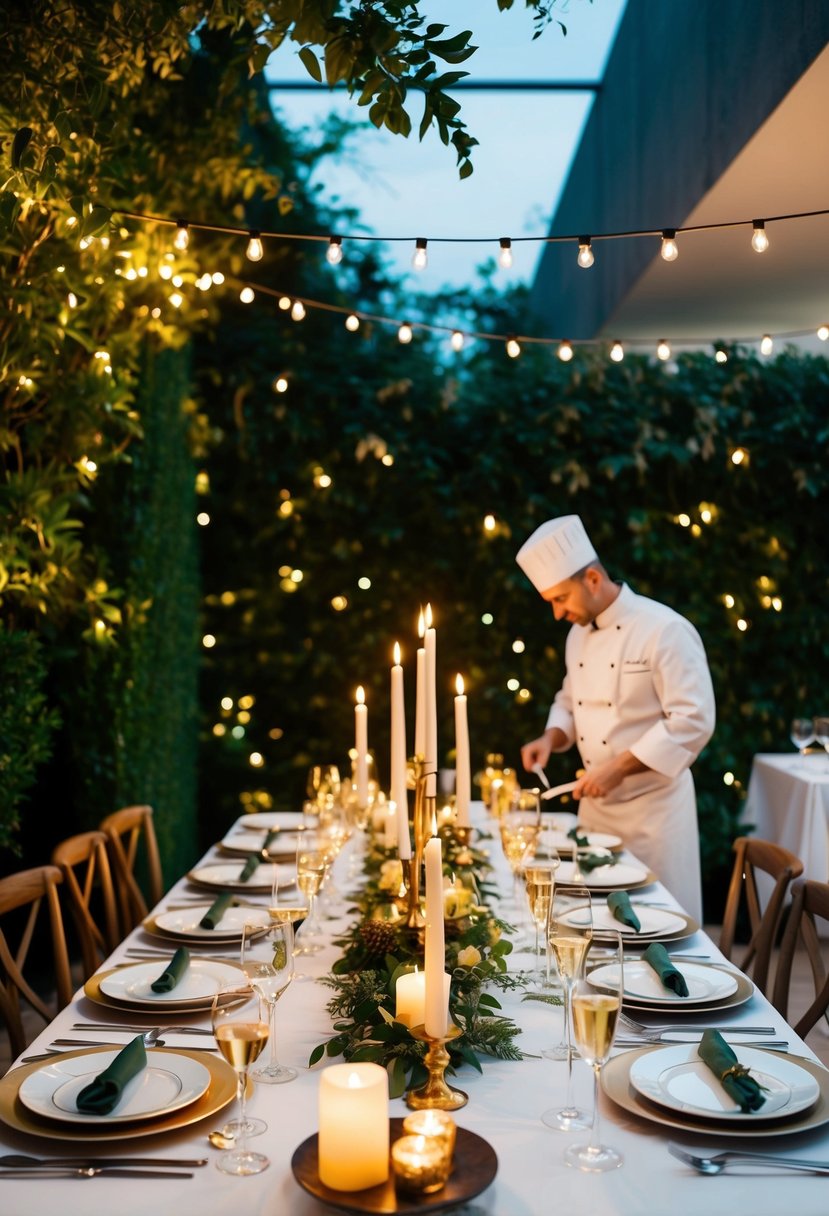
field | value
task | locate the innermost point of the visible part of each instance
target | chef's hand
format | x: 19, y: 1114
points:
x: 538, y: 751
x: 599, y: 781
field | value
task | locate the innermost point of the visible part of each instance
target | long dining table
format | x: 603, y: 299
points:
x: 506, y: 1101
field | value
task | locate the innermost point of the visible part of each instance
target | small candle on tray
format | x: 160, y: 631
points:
x: 421, y: 1164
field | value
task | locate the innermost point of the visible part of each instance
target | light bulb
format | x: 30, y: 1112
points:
x: 284, y: 303
x: 280, y: 384
x: 404, y: 333
x: 721, y: 355
x: 663, y: 350
x: 420, y: 259
x: 766, y: 344
x: 759, y: 240
x: 352, y: 323
x: 617, y: 352
x: 670, y: 250
x: 334, y: 252
x: 565, y: 352
x: 585, y: 258
x: 255, y: 250
x: 457, y: 340
x: 182, y: 238
x: 823, y: 332
x: 297, y: 311
x: 246, y: 295
x: 505, y: 256
x: 513, y: 348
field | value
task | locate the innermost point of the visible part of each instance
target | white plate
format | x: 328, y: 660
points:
x: 678, y: 1079
x: 225, y: 875
x: 606, y: 878
x: 595, y: 840
x: 654, y: 921
x: 267, y: 820
x: 251, y: 842
x: 168, y: 1082
x: 185, y: 922
x: 642, y: 983
x: 203, y: 978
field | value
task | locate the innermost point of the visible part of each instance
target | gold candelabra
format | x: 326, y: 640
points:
x: 436, y: 1093
x: 424, y: 810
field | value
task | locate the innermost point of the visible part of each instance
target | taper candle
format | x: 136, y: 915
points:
x: 437, y: 1002
x: 463, y: 776
x: 361, y: 745
x: 420, y: 700
x: 398, y: 758
x: 431, y: 744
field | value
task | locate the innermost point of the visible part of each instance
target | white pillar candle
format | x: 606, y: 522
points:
x: 361, y: 746
x: 420, y: 700
x: 463, y: 775
x: 353, y: 1126
x: 398, y: 758
x: 431, y: 744
x: 390, y: 826
x: 410, y: 998
x: 437, y: 994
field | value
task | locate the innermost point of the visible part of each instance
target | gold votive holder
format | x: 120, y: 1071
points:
x: 433, y: 1124
x: 436, y: 1094
x: 420, y: 1164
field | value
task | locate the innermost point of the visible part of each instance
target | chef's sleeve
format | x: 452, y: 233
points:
x: 561, y: 715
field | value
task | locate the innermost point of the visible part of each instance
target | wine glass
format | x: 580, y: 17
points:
x: 802, y: 733
x: 822, y: 732
x: 240, y: 1035
x: 595, y: 1014
x: 520, y: 825
x: 570, y: 931
x: 311, y: 863
x: 323, y: 783
x: 539, y: 878
x: 268, y: 962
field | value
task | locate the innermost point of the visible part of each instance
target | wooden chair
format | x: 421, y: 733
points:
x: 132, y: 843
x: 35, y: 890
x: 84, y: 864
x: 809, y: 899
x: 783, y: 867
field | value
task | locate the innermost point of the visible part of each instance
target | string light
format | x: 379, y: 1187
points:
x: 565, y: 352
x: 255, y: 250
x: 297, y: 311
x: 352, y: 323
x: 617, y: 352
x: 505, y: 255
x: 280, y: 384
x: 585, y: 257
x: 457, y: 340
x: 334, y: 252
x: 670, y: 249
x: 420, y: 258
x: 759, y: 239
x: 721, y: 355
x: 513, y: 348
x: 766, y: 344
x: 663, y: 350
x: 182, y: 238
x: 404, y: 333
x: 739, y: 456
x: 823, y: 332
x: 247, y: 295
x: 284, y: 303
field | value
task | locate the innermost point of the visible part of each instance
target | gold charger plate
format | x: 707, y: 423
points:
x: 92, y: 989
x: 474, y: 1166
x: 616, y: 1084
x: 220, y: 1091
x: 602, y: 889
x: 745, y: 990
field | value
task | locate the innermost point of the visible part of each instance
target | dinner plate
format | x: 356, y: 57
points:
x: 558, y: 839
x: 220, y: 1091
x: 677, y: 1078
x: 624, y: 875
x: 265, y: 821
x: 244, y: 843
x: 224, y: 876
x: 169, y: 1082
x: 165, y: 1002
x: 617, y: 1085
x: 656, y: 922
x: 197, y: 987
x: 705, y: 983
x: 185, y: 922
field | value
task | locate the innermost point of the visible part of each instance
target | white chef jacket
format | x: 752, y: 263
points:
x: 638, y: 681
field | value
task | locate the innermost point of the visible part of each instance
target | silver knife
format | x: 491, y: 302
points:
x: 542, y: 776
x: 66, y: 1172
x: 21, y: 1161
x: 111, y: 1043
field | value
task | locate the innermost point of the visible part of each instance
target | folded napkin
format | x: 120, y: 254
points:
x: 252, y: 862
x: 591, y: 861
x: 622, y: 909
x: 657, y: 956
x: 216, y: 911
x: 103, y: 1094
x: 173, y: 972
x: 582, y: 841
x: 734, y: 1077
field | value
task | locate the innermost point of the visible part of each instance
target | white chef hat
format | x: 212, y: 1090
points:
x: 555, y: 552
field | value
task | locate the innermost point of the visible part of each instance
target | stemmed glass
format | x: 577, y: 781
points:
x: 311, y: 863
x: 539, y: 877
x: 240, y: 1035
x: 520, y: 825
x: 802, y: 733
x: 570, y: 931
x: 268, y: 962
x: 822, y: 732
x: 323, y: 783
x: 595, y: 1014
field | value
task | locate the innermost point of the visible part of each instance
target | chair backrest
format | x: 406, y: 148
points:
x: 750, y: 855
x: 809, y: 899
x: 130, y: 832
x: 88, y: 889
x: 34, y: 890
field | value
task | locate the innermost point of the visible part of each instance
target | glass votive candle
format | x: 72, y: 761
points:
x: 432, y: 1123
x: 420, y: 1164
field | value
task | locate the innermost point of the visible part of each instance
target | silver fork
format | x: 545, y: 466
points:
x: 154, y: 1033
x: 717, y: 1163
x: 641, y: 1028
x: 682, y: 1036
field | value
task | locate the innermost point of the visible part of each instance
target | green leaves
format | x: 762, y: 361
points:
x: 312, y: 65
x: 22, y: 139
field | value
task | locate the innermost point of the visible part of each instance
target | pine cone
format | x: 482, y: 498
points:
x: 379, y: 937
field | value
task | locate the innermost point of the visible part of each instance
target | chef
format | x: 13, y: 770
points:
x: 636, y: 699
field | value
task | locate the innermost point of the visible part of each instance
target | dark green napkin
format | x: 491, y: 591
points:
x: 173, y: 972
x: 591, y: 861
x: 582, y: 841
x: 658, y: 957
x: 216, y: 911
x: 103, y: 1094
x: 622, y: 909
x: 734, y: 1077
x: 253, y: 861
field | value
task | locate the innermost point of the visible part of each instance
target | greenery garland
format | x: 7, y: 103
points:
x: 378, y: 949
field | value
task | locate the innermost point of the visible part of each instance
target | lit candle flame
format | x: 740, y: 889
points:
x: 428, y: 616
x: 361, y: 696
x: 397, y: 654
x: 459, y: 684
x: 421, y: 625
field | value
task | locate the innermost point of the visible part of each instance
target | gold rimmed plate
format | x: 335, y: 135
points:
x: 121, y: 998
x: 474, y: 1166
x: 742, y: 992
x: 225, y: 876
x: 221, y: 1090
x: 657, y: 924
x: 184, y: 924
x: 623, y: 876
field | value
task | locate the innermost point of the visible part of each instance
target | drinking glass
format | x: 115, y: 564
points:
x: 822, y: 732
x: 539, y: 878
x: 520, y: 825
x: 323, y: 783
x: 240, y: 1036
x: 570, y: 931
x: 802, y: 733
x: 595, y: 1014
x: 311, y: 863
x: 268, y: 962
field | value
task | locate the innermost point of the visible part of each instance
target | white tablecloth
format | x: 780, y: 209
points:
x: 505, y: 1104
x: 788, y: 802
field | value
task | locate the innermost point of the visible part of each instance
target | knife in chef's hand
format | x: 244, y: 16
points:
x: 542, y: 776
x: 559, y: 789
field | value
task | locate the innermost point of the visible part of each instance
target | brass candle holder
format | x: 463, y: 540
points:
x: 424, y: 809
x: 436, y: 1093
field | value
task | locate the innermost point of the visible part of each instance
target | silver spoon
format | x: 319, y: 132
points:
x: 717, y: 1163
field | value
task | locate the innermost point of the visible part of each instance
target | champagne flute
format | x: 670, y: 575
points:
x: 268, y: 962
x: 822, y: 732
x: 311, y: 863
x: 520, y: 825
x: 539, y: 877
x: 802, y: 733
x: 570, y: 931
x: 595, y: 1014
x: 240, y: 1035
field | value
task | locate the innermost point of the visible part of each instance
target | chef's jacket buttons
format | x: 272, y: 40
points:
x: 612, y: 664
x: 609, y: 704
x: 579, y: 702
x: 581, y: 664
x: 618, y: 626
x: 581, y: 738
x: 604, y: 742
